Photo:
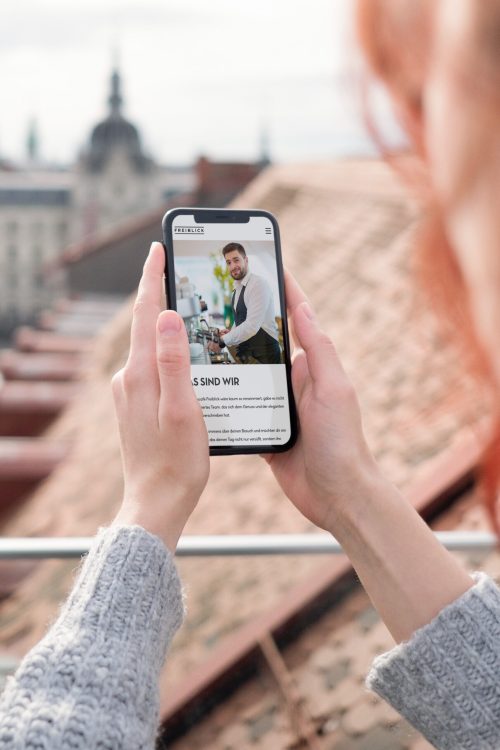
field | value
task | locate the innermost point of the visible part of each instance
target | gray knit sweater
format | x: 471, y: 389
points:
x: 92, y: 682
x: 446, y: 679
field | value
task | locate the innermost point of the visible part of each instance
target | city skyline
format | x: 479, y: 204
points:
x: 196, y: 80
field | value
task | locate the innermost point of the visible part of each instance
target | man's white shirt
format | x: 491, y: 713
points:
x: 260, y: 310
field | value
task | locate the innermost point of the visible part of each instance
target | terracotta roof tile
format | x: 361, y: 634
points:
x: 25, y: 457
x: 29, y: 339
x: 24, y: 463
x: 15, y: 365
x: 28, y: 407
x: 24, y: 396
x: 360, y: 718
x: 99, y: 241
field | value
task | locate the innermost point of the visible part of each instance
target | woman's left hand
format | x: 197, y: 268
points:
x: 163, y: 437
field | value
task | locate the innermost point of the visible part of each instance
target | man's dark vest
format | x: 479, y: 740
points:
x: 262, y: 347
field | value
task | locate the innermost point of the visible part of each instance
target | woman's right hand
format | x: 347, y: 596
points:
x: 330, y: 467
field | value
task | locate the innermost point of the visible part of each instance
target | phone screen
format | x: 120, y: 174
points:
x: 229, y: 293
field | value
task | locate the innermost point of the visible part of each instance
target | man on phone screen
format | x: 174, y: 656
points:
x: 255, y: 333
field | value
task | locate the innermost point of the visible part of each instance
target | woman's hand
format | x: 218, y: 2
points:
x: 330, y: 467
x: 332, y: 478
x: 163, y: 437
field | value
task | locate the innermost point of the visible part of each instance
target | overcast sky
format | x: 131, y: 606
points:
x: 199, y: 76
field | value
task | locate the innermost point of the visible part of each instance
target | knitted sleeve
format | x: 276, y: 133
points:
x: 446, y: 679
x: 92, y: 681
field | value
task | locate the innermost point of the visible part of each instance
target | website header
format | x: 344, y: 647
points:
x: 257, y: 228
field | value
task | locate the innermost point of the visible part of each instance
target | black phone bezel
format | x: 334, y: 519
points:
x: 235, y: 216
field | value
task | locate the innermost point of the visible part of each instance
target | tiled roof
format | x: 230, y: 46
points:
x: 39, y: 378
x: 32, y: 340
x: 346, y: 230
x: 16, y: 365
x: 110, y: 235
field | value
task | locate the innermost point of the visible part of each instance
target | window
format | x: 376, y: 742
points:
x: 11, y: 229
x: 36, y: 230
x: 11, y: 314
x: 37, y: 257
x: 62, y: 233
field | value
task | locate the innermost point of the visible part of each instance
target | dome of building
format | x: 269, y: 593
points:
x: 115, y: 131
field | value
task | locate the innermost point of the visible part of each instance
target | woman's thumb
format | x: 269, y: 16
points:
x: 172, y: 352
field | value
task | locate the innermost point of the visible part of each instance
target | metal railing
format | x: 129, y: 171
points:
x: 230, y: 544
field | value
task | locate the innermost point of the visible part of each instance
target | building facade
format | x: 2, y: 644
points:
x: 36, y: 216
x: 45, y: 209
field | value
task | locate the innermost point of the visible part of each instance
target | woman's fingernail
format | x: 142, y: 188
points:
x: 308, y: 310
x: 169, y: 323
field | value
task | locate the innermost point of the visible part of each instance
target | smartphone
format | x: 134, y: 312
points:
x: 224, y: 276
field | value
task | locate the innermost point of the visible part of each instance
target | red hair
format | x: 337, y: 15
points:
x: 396, y: 38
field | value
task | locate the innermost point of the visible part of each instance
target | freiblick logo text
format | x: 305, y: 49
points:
x: 189, y: 230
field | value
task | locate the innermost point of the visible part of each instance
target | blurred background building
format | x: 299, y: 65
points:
x: 45, y: 209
